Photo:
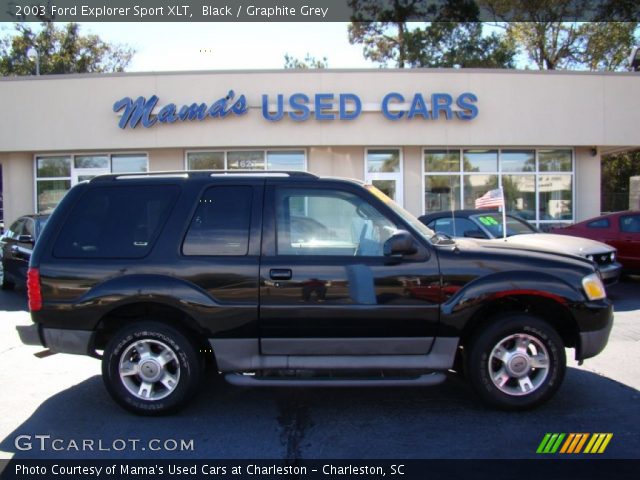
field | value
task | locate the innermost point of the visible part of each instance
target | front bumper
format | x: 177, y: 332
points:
x: 610, y: 273
x: 594, y: 341
x: 57, y: 340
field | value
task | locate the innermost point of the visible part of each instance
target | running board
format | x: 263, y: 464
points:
x: 253, y: 381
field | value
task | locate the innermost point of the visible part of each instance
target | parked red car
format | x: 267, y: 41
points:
x: 620, y: 230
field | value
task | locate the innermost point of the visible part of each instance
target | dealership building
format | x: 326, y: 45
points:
x: 431, y: 139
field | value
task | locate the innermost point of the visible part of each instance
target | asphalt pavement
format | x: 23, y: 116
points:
x: 57, y: 407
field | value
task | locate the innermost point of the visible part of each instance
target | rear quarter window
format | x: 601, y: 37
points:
x: 116, y: 222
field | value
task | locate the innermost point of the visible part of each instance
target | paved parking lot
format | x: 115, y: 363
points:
x: 63, y: 396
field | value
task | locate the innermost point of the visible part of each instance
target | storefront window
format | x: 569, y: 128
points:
x: 442, y: 192
x: 555, y: 197
x: 480, y: 161
x: 554, y: 160
x: 205, y: 161
x: 50, y: 192
x: 520, y: 195
x: 476, y: 186
x: 56, y: 174
x: 52, y: 167
x: 251, y: 160
x: 129, y: 163
x: 517, y: 161
x: 441, y: 161
x: 383, y: 161
x: 287, y: 160
x: 91, y: 161
x: 537, y: 184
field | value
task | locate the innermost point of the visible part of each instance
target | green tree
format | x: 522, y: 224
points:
x: 60, y: 50
x: 449, y: 44
x: 552, y: 45
x: 453, y: 39
x: 308, y: 62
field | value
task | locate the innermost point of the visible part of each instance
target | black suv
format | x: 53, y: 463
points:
x: 287, y: 279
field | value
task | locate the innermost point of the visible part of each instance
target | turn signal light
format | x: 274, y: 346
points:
x: 33, y: 289
x: 593, y: 287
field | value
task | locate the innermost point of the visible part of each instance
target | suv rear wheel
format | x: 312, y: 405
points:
x: 517, y: 362
x: 151, y: 368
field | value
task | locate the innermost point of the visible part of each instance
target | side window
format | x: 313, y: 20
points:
x: 116, y: 222
x: 328, y: 222
x: 220, y: 225
x: 630, y: 224
x: 28, y: 228
x: 15, y: 229
x: 601, y: 223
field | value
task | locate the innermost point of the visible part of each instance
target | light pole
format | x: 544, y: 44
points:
x: 34, y: 51
x: 634, y: 59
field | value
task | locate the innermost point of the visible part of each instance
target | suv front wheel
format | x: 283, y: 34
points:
x: 151, y: 368
x: 517, y: 362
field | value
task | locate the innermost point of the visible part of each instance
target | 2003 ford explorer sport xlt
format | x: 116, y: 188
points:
x: 294, y: 280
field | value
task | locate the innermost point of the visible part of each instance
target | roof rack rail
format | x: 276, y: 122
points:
x: 200, y: 173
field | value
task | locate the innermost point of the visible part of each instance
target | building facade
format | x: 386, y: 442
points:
x: 431, y: 139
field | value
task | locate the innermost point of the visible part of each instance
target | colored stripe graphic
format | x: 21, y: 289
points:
x: 574, y: 443
x: 550, y: 443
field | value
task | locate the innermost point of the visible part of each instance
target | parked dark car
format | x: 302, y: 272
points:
x: 16, y: 245
x: 621, y: 230
x: 287, y: 279
x: 487, y: 225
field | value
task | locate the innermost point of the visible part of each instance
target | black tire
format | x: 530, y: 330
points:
x: 518, y: 385
x: 182, y: 371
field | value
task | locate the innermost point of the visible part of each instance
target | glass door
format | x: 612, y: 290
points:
x: 383, y: 169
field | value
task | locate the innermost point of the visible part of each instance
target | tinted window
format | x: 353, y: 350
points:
x: 15, y: 229
x: 318, y: 222
x: 28, y: 228
x: 601, y: 223
x: 221, y: 223
x: 116, y: 222
x: 630, y: 224
x: 454, y: 227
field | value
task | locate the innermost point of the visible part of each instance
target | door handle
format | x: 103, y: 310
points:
x: 280, y: 274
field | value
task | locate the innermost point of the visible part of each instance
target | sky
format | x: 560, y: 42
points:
x: 228, y: 46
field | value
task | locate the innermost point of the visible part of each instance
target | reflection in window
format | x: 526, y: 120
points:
x: 630, y: 224
x: 383, y: 161
x: 555, y: 197
x: 480, y: 160
x: 52, y: 167
x: 50, y: 192
x: 554, y: 160
x: 517, y: 160
x: 205, y: 161
x: 250, y: 160
x: 476, y: 186
x: 331, y: 223
x: 441, y: 161
x: 287, y: 160
x: 442, y: 192
x: 520, y: 195
x: 91, y: 161
x: 129, y: 163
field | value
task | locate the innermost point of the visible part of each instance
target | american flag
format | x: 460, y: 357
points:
x: 491, y: 199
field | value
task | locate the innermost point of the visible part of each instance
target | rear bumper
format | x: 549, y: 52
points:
x: 57, y: 340
x: 594, y: 341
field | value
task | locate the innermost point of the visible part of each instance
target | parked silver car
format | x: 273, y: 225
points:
x: 487, y: 225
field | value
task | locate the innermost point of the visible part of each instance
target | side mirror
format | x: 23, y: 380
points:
x: 475, y: 234
x: 25, y: 239
x: 399, y: 244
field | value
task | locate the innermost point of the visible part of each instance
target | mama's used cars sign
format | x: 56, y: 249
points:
x: 300, y: 107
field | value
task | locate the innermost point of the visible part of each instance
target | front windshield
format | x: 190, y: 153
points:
x: 420, y: 227
x: 493, y: 223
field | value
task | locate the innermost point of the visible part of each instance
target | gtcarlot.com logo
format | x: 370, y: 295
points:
x: 574, y: 443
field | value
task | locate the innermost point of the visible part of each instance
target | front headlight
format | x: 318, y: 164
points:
x: 593, y: 287
x: 590, y: 257
x: 613, y: 256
